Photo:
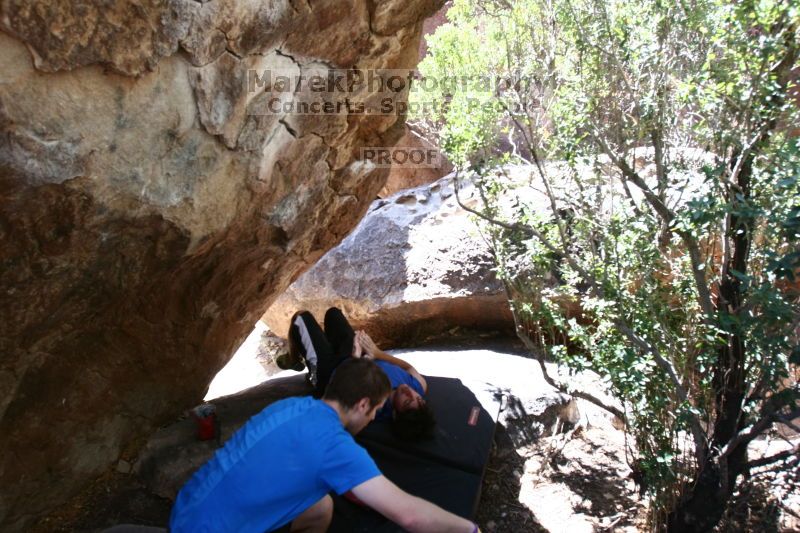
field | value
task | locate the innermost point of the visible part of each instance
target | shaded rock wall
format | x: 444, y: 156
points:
x: 149, y: 213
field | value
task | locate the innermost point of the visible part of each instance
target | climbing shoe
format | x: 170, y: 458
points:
x: 285, y: 362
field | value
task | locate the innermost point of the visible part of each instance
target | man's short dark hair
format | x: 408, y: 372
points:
x: 355, y: 379
x: 414, y: 424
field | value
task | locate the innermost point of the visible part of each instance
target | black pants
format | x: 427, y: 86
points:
x: 322, y: 350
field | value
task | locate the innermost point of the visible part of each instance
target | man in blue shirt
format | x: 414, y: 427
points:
x: 276, y: 472
x: 323, y: 351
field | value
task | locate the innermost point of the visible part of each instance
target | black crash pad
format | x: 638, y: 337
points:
x: 463, y: 434
x: 446, y: 470
x: 454, y: 490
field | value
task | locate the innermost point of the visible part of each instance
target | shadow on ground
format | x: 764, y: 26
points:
x: 527, y: 420
x: 500, y: 510
x: 603, y: 491
x: 753, y: 508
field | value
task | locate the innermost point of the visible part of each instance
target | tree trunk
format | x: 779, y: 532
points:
x: 703, y: 503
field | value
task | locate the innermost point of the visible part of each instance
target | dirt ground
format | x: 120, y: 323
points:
x: 569, y: 482
x: 580, y: 483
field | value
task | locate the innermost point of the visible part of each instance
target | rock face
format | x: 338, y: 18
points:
x: 415, y: 265
x: 150, y: 209
x: 407, y: 176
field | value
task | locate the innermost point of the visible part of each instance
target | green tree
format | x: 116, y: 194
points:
x: 672, y: 217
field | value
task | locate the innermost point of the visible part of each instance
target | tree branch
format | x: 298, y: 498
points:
x: 698, y: 266
x: 764, y: 461
x: 527, y: 230
x: 550, y: 196
x: 539, y: 356
x: 663, y: 363
x: 748, y: 434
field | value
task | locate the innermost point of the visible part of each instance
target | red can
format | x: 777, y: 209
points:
x: 205, y: 417
x: 206, y: 427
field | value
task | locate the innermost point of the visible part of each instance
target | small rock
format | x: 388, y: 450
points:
x: 123, y: 467
x: 271, y: 347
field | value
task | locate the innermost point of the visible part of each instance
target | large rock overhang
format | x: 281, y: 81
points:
x: 148, y: 217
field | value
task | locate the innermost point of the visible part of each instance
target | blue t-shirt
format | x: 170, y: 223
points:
x: 397, y: 376
x: 280, y: 463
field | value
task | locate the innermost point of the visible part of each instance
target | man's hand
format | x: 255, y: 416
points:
x: 367, y: 344
x: 361, y: 346
x: 358, y: 350
x: 411, y: 513
x: 371, y: 350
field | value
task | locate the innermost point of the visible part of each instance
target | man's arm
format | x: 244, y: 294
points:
x: 368, y: 345
x: 413, y: 514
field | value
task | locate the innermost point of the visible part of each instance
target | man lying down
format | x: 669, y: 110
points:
x: 322, y: 351
x: 276, y: 472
